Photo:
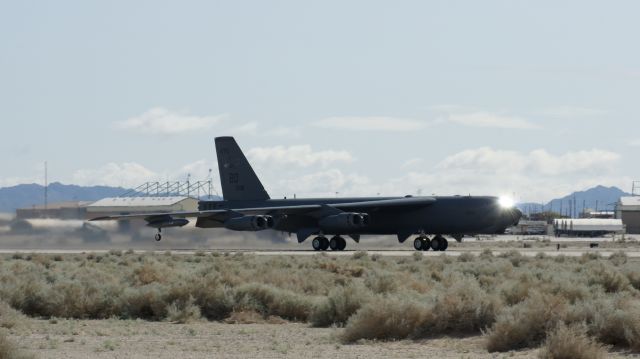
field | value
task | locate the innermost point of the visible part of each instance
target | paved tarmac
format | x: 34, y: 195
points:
x: 529, y: 252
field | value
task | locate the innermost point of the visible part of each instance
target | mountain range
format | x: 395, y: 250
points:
x: 598, y: 198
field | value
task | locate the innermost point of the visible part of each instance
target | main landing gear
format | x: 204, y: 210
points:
x: 437, y: 243
x: 336, y: 243
x: 159, y: 235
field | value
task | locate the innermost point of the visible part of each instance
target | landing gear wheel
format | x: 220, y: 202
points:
x: 421, y: 243
x: 427, y: 244
x: 343, y: 244
x: 436, y: 243
x: 445, y: 244
x: 334, y: 243
x: 317, y: 243
x: 324, y: 243
x: 158, y: 237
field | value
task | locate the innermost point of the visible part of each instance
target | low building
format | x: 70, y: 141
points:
x: 587, y: 227
x: 628, y: 210
x: 59, y: 210
x: 525, y: 227
x: 133, y: 205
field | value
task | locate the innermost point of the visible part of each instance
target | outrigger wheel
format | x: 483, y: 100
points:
x: 159, y: 235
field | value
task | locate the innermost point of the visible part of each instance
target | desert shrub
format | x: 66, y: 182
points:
x: 634, y: 277
x: 360, y: 255
x: 612, y: 320
x: 381, y: 281
x: 145, y: 302
x: 608, y: 277
x: 618, y: 258
x: 183, y: 312
x: 269, y: 300
x: 8, y: 349
x: 384, y: 318
x: 515, y: 291
x: 461, y: 307
x: 589, y: 257
x: 341, y: 303
x: 214, y: 299
x: 514, y: 257
x: 149, y: 272
x: 9, y: 317
x: 466, y: 257
x: 486, y: 254
x: 525, y: 324
x: 570, y: 343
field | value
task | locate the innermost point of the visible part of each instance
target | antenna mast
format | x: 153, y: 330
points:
x: 46, y: 188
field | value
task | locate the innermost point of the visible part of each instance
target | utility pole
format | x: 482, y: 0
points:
x: 46, y: 189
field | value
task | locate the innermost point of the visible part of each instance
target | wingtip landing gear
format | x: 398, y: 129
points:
x: 159, y: 235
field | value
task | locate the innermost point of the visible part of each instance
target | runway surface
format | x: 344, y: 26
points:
x: 572, y: 252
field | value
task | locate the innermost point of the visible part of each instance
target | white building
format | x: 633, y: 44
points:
x: 628, y: 209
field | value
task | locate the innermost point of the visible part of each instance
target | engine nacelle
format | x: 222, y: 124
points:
x: 344, y: 221
x: 249, y: 223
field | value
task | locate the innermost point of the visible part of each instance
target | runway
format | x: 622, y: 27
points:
x: 573, y: 252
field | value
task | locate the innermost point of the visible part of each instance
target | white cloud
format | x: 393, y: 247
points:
x: 253, y: 128
x: 635, y: 143
x: 301, y: 155
x: 162, y: 121
x: 572, y: 112
x: 412, y: 162
x: 487, y: 119
x: 128, y: 175
x: 537, y: 162
x: 372, y: 123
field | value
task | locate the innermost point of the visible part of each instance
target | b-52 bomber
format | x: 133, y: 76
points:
x: 246, y: 206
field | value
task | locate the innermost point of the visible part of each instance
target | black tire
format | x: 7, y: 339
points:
x: 317, y: 243
x: 418, y: 244
x: 427, y: 244
x: 445, y: 244
x: 436, y: 244
x: 334, y: 243
x: 343, y: 244
x: 325, y: 243
x: 158, y: 237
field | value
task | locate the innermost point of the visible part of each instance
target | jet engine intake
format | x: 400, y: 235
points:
x: 344, y: 221
x: 249, y: 223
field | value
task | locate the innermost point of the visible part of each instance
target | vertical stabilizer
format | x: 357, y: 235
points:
x: 238, y: 180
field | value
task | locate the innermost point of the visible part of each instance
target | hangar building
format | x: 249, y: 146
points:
x: 129, y: 205
x: 628, y: 209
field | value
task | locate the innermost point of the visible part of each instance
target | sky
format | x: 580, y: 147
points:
x: 535, y: 99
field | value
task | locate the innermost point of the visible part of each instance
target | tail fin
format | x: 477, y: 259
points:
x: 237, y: 178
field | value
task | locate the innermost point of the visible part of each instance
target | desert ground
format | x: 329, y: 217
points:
x: 481, y: 299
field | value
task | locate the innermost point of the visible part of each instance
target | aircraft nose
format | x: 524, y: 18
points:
x: 516, y: 214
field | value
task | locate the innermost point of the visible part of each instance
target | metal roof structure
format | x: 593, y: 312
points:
x: 630, y: 201
x: 138, y: 201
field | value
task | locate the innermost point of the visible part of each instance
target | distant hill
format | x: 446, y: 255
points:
x: 599, y: 197
x: 27, y: 195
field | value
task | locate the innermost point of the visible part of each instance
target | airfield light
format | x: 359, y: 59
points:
x: 506, y: 202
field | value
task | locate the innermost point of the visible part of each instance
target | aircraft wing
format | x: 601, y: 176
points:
x: 397, y: 203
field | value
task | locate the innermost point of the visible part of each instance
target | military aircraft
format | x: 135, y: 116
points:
x: 246, y: 206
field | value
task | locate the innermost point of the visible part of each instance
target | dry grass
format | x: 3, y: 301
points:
x: 9, y: 350
x: 516, y: 301
x: 571, y: 343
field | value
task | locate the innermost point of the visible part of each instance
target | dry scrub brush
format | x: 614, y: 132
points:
x: 515, y: 300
